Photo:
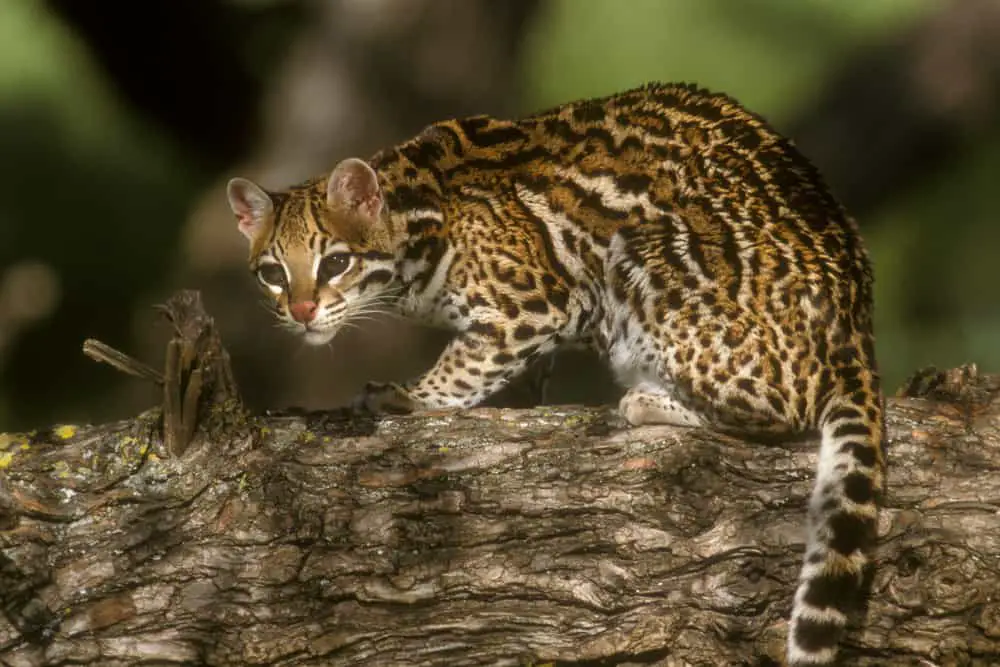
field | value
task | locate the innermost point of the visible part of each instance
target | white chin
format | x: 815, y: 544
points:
x: 318, y: 337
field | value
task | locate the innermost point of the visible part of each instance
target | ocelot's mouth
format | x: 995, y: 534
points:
x: 318, y: 336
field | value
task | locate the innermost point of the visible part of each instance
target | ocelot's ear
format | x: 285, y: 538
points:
x: 251, y: 205
x: 353, y: 186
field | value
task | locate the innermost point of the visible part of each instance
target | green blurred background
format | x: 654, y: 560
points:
x: 119, y: 125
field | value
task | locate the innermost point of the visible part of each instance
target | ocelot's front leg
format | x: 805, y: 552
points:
x: 476, y: 364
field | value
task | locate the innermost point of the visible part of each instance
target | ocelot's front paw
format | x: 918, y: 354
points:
x: 381, y: 398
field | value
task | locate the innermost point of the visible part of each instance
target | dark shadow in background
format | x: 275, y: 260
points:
x: 102, y: 226
x: 195, y: 67
x: 197, y: 70
x: 109, y: 230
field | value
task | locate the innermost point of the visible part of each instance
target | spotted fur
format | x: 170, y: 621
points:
x: 677, y: 233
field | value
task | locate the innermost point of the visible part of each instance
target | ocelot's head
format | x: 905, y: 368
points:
x: 321, y: 250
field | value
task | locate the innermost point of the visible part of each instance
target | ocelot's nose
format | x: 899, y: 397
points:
x: 303, y: 311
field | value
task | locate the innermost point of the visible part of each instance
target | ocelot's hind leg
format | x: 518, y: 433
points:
x: 681, y: 345
x: 651, y: 404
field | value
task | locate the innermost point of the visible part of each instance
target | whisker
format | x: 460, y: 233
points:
x: 358, y: 322
x: 365, y: 310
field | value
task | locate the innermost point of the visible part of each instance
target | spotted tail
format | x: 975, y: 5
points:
x: 842, y: 528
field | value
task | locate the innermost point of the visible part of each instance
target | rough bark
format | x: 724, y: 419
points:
x: 480, y: 537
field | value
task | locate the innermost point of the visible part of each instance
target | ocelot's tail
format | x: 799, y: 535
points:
x: 842, y: 516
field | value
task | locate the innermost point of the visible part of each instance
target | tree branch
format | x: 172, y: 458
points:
x: 486, y: 536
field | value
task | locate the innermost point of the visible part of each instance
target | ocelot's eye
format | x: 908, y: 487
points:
x: 332, y: 266
x: 271, y: 274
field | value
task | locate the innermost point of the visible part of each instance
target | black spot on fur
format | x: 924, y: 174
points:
x: 851, y: 428
x: 850, y: 533
x: 813, y: 636
x: 858, y: 488
x: 834, y: 590
x: 865, y: 454
x: 524, y: 332
x: 536, y: 306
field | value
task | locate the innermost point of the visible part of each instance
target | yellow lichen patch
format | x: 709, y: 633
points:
x: 66, y: 431
x: 128, y: 449
x: 61, y: 469
x: 13, y: 440
x: 10, y: 443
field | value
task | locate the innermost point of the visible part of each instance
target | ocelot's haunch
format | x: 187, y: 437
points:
x: 668, y: 227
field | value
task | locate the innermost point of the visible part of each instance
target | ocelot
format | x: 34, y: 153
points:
x: 669, y: 228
